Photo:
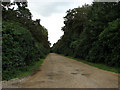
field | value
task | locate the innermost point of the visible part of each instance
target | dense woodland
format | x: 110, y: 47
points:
x: 92, y: 33
x: 25, y: 41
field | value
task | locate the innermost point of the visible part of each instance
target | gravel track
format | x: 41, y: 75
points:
x: 61, y: 72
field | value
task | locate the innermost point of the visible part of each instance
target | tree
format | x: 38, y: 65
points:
x: 91, y: 33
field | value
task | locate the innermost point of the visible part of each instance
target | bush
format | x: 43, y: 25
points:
x: 19, y: 49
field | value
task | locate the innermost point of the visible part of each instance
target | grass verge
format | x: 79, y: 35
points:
x: 97, y: 65
x: 28, y: 70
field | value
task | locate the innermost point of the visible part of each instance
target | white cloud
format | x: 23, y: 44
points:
x: 51, y: 14
x: 48, y: 8
x: 53, y: 25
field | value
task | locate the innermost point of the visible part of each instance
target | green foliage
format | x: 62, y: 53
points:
x: 19, y: 49
x: 24, y: 41
x: 92, y: 33
x: 28, y: 70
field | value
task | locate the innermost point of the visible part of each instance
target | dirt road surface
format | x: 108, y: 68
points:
x: 60, y: 72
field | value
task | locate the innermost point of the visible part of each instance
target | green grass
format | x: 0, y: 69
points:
x: 24, y: 71
x: 97, y: 65
x: 28, y: 70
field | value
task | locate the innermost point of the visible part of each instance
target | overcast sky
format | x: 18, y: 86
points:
x: 51, y: 13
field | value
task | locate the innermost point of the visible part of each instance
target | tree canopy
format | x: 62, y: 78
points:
x: 25, y: 41
x: 91, y: 32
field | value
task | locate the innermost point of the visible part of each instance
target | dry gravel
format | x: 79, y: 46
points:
x: 60, y: 72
